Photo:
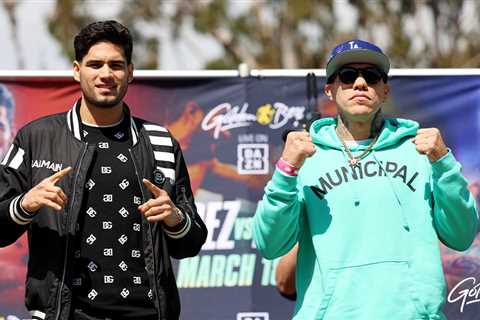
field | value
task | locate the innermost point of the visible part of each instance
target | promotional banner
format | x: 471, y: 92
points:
x: 230, y: 130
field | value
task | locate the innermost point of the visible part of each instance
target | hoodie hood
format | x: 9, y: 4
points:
x: 393, y: 131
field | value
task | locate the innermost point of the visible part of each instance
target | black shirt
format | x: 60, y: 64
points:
x: 110, y: 278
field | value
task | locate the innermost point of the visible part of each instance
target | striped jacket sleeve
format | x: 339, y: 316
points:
x: 15, y: 173
x: 192, y: 233
x: 186, y: 239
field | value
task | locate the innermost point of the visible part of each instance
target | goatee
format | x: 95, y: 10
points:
x: 103, y: 104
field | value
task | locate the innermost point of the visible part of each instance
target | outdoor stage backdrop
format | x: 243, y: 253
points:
x: 230, y: 131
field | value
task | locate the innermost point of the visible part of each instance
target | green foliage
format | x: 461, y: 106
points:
x: 269, y: 34
x: 295, y: 33
x: 66, y: 22
x: 71, y: 15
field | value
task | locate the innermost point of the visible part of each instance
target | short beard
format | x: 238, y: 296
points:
x: 103, y: 104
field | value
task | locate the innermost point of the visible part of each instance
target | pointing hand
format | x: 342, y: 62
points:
x: 160, y: 207
x: 46, y: 193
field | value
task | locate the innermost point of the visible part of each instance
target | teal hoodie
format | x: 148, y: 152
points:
x: 368, y: 236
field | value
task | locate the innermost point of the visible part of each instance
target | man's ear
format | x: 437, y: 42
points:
x: 328, y: 91
x: 76, y: 70
x: 130, y: 72
x: 386, y: 91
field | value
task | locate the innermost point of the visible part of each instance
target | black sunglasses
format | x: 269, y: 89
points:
x: 372, y: 75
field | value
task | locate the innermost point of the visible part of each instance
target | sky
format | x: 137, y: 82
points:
x: 40, y: 51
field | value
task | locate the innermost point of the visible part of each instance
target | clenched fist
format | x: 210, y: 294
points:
x: 430, y: 143
x: 46, y: 193
x: 298, y: 147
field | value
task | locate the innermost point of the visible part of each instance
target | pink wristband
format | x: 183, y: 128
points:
x: 287, y: 168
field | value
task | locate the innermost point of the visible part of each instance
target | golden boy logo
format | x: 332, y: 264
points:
x: 265, y: 114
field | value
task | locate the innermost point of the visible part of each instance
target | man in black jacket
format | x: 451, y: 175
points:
x: 105, y: 198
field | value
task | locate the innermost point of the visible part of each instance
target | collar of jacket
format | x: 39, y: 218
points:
x: 74, y: 122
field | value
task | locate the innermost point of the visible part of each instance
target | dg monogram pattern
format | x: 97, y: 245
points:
x: 110, y: 267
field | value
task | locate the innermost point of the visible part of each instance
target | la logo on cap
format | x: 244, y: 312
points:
x: 356, y: 51
x: 353, y: 45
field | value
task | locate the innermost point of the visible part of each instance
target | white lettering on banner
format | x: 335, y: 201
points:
x: 472, y: 293
x: 253, y: 316
x: 218, y: 270
x: 209, y: 216
x: 252, y: 138
x: 225, y: 117
x: 285, y: 113
x: 245, y: 138
x: 243, y: 228
x: 252, y: 158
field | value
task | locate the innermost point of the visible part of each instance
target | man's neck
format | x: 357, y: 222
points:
x: 358, y: 130
x: 99, y: 116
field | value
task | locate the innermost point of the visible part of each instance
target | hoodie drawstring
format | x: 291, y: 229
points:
x: 405, y: 223
x: 356, y: 197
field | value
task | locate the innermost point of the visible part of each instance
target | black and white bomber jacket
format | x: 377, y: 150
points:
x: 54, y: 142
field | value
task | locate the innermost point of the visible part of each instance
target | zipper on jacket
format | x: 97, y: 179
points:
x: 185, y: 199
x: 59, y: 294
x: 184, y: 193
x: 187, y: 204
x: 149, y: 231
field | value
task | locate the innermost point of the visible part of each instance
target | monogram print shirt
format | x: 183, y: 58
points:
x: 109, y: 275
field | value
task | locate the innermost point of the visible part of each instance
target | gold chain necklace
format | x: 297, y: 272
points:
x: 355, y: 161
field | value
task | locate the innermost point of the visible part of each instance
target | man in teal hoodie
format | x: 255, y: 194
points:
x: 367, y: 198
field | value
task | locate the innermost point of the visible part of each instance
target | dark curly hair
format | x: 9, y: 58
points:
x: 103, y: 31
